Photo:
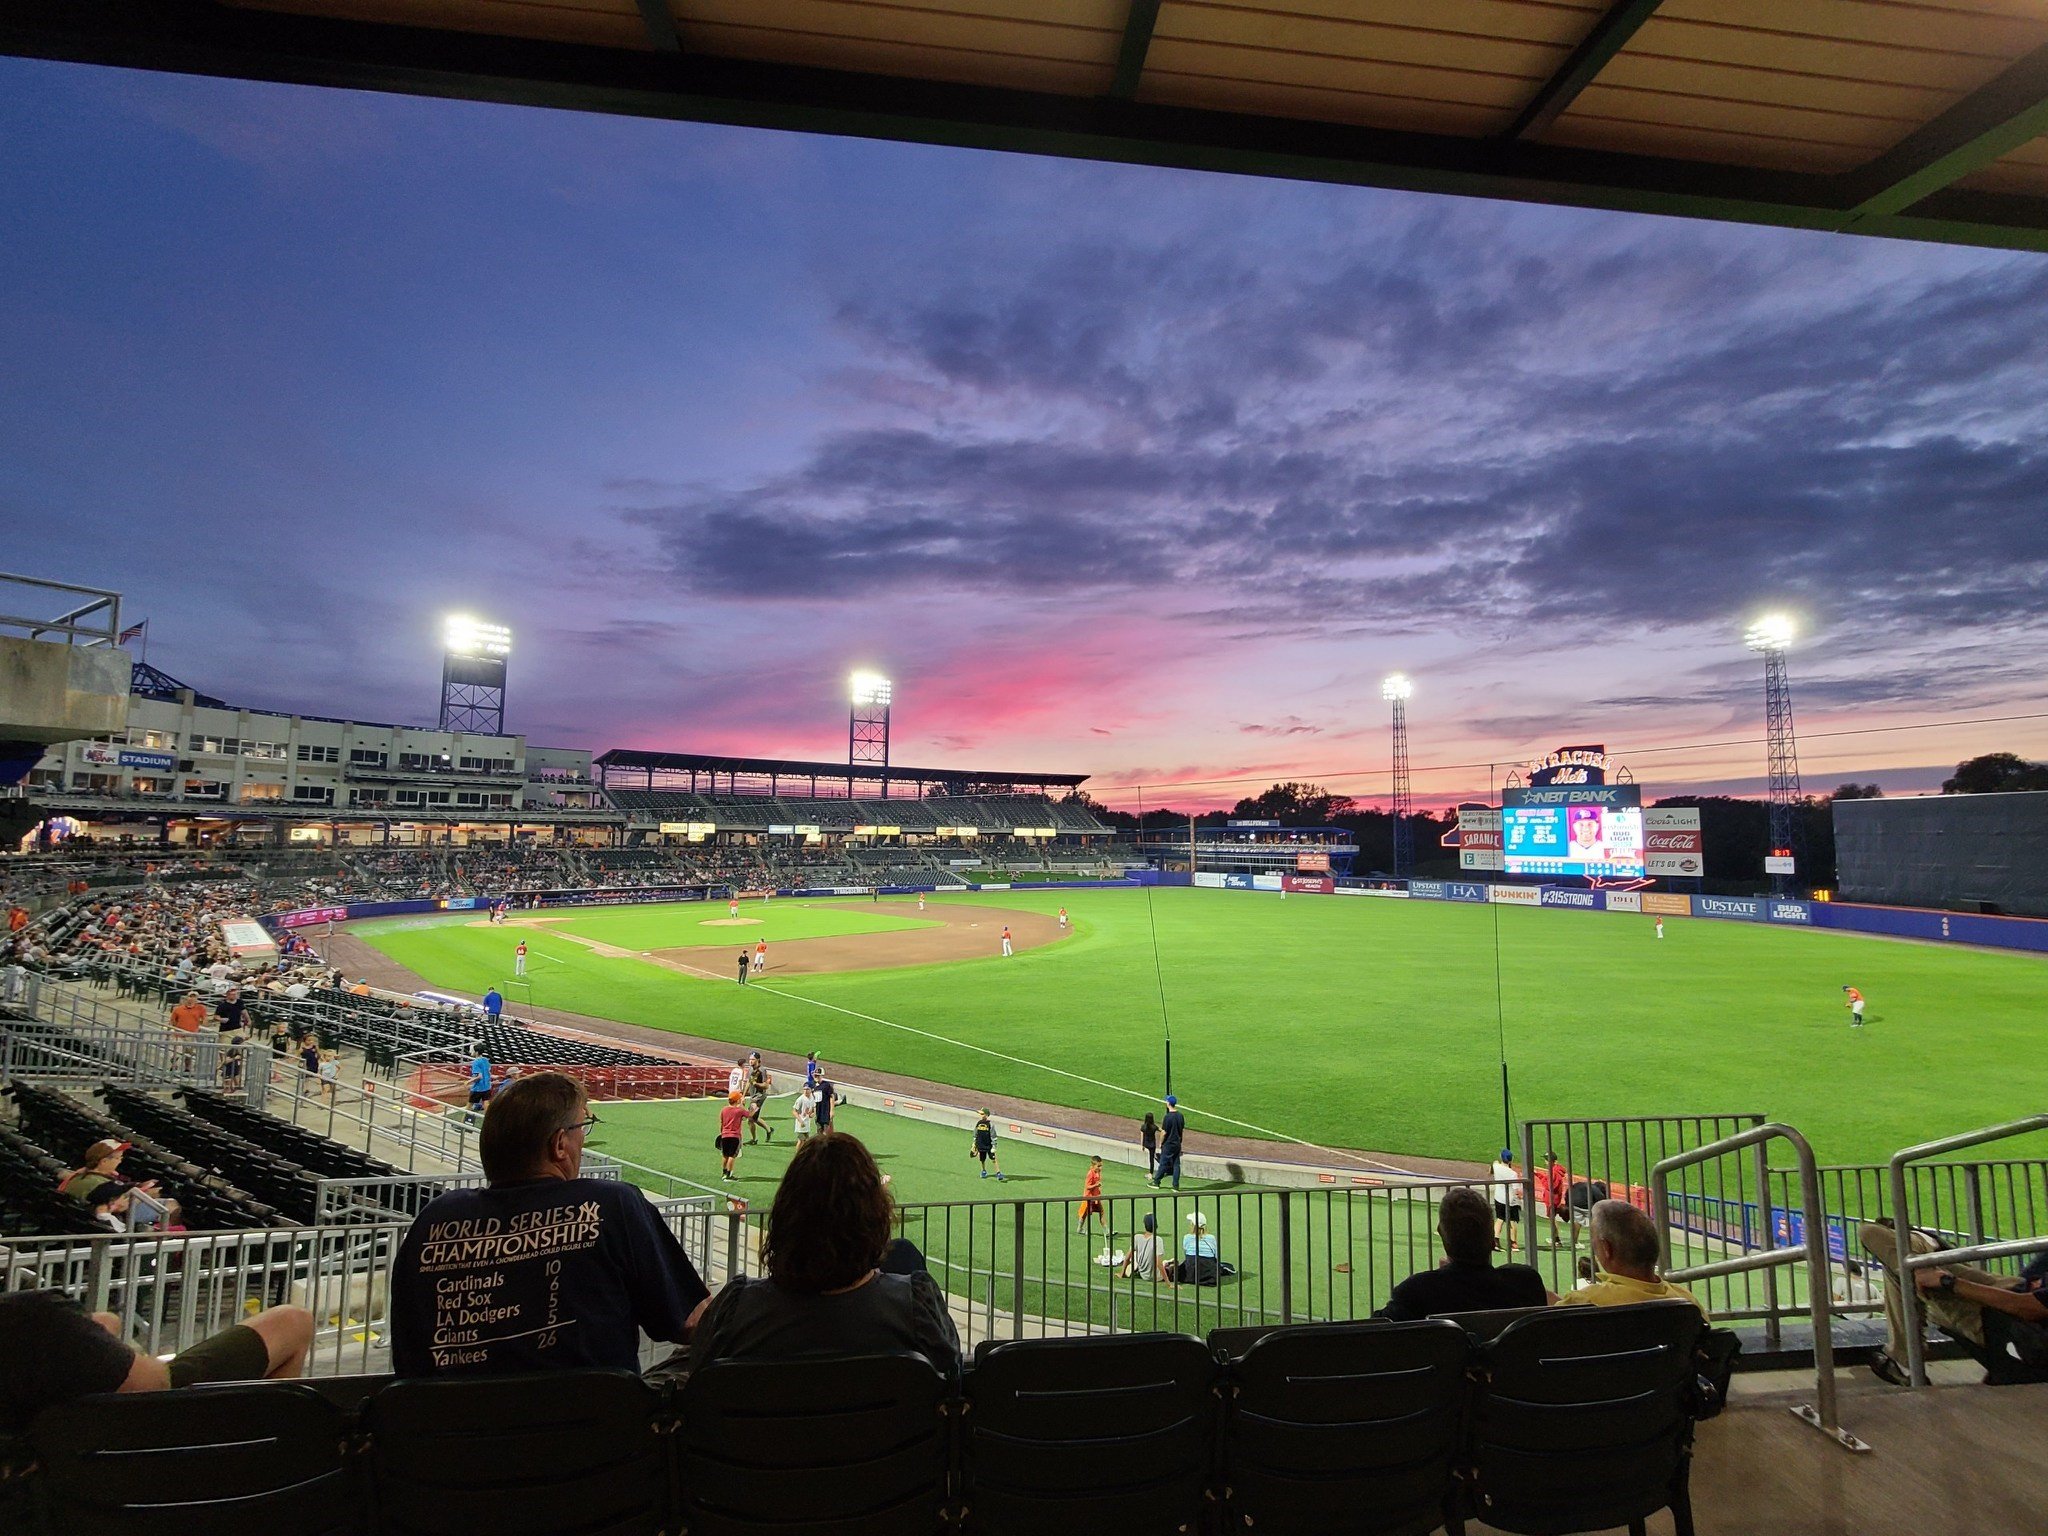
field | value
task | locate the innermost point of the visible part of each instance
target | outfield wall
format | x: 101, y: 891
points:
x: 2016, y: 933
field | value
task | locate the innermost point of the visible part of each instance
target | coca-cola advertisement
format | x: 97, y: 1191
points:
x: 1672, y: 842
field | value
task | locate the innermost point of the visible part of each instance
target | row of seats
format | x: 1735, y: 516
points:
x: 1574, y: 1420
x: 65, y: 1128
x: 275, y: 1180
x: 29, y: 1203
x: 321, y: 1154
x: 377, y: 1023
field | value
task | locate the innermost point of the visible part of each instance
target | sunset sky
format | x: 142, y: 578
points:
x: 1149, y: 475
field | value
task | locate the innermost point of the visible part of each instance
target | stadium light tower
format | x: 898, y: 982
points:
x: 1772, y: 635
x: 1396, y: 690
x: 867, y: 732
x: 473, y: 675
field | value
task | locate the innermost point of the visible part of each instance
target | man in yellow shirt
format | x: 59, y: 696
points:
x: 1625, y: 1262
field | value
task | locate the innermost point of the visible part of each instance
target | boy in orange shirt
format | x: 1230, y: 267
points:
x: 1091, y: 1195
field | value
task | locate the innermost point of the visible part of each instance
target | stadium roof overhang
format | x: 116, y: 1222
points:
x: 714, y: 764
x: 1923, y: 121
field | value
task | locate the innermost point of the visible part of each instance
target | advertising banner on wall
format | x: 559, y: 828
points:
x: 310, y: 916
x: 1266, y: 883
x: 1515, y: 895
x: 1570, y: 896
x: 1309, y: 884
x: 1208, y: 880
x: 1664, y: 904
x: 1672, y: 842
x: 1624, y: 901
x: 1790, y: 912
x: 1478, y: 838
x: 1749, y: 909
x: 1312, y: 863
x: 1464, y: 890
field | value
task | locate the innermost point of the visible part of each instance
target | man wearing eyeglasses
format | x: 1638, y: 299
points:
x: 541, y: 1269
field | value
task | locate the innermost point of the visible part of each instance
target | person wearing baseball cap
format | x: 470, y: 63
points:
x: 100, y: 1166
x: 1171, y: 1128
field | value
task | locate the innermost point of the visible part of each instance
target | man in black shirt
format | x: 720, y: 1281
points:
x: 1468, y: 1280
x: 229, y: 1012
x: 1171, y: 1128
x: 542, y: 1269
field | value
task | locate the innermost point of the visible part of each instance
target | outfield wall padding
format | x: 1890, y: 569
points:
x: 1955, y: 851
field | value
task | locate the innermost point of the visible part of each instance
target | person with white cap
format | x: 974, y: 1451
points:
x: 1171, y: 1128
x: 1200, y: 1261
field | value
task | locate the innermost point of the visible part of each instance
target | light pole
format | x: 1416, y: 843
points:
x: 1396, y: 690
x: 1772, y: 636
x: 473, y: 675
x: 867, y: 731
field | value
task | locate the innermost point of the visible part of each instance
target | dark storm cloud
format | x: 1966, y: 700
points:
x: 1421, y: 427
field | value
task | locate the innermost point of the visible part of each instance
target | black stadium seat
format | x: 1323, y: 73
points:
x: 583, y: 1452
x: 1583, y: 1419
x: 858, y: 1446
x: 1346, y: 1428
x: 245, y: 1460
x: 1091, y: 1434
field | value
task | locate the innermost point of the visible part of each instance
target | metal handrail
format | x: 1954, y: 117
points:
x: 1813, y: 1250
x: 1910, y: 1320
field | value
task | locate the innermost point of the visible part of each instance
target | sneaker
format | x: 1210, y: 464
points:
x: 771, y: 1133
x: 1888, y: 1370
x: 1001, y: 1180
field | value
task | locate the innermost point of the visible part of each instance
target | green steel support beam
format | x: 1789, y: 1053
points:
x: 1991, y: 121
x: 1609, y: 36
x: 1130, y: 55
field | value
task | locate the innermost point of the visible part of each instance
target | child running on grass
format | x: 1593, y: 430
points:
x: 1091, y: 1195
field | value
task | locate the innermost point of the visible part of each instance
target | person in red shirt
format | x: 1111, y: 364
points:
x: 1091, y: 1196
x: 1855, y: 1001
x: 1006, y: 938
x: 730, y: 1120
x: 1553, y: 1188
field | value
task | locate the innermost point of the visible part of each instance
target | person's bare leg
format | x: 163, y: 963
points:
x: 287, y: 1334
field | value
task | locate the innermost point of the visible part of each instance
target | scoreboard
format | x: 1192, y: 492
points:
x: 1573, y: 831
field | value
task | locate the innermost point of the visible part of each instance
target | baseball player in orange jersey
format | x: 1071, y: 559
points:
x: 760, y: 957
x: 1855, y: 1001
x: 1006, y: 939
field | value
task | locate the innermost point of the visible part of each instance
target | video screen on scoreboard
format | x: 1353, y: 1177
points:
x: 1573, y: 832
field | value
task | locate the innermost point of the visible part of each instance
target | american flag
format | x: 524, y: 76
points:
x: 132, y: 632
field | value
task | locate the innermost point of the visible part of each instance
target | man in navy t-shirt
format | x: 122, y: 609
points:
x: 542, y: 1269
x: 494, y: 1003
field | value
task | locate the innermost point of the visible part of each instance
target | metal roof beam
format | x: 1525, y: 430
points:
x: 693, y: 87
x: 661, y: 26
x: 1609, y: 36
x: 1139, y: 21
x: 1990, y: 122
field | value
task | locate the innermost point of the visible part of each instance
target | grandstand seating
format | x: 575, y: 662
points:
x: 29, y: 1203
x: 1143, y: 1433
x: 275, y: 1180
x: 64, y: 1128
x: 321, y: 1154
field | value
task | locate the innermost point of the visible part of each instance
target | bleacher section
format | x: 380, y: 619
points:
x: 30, y: 1205
x: 990, y: 815
x: 64, y: 1128
x: 1568, y: 1421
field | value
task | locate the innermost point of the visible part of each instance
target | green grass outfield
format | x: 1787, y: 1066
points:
x: 692, y: 924
x: 1358, y: 1022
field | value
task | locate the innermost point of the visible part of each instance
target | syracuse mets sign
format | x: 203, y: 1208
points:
x: 1571, y: 765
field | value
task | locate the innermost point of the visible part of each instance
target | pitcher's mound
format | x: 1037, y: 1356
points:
x: 730, y: 922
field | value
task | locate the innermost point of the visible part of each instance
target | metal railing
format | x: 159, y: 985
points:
x: 1911, y: 1318
x: 1811, y: 1251
x: 1721, y: 1208
x: 170, y: 1290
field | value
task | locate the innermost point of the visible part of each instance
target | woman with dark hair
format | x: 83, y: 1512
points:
x: 1148, y: 1138
x: 827, y: 1290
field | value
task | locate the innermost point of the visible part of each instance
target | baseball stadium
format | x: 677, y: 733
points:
x: 1165, y: 1096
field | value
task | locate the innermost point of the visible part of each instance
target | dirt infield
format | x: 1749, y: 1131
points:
x: 963, y: 933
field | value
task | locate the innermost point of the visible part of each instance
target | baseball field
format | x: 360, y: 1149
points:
x: 1343, y: 1022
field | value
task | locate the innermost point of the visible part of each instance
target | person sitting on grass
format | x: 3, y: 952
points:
x: 1625, y: 1255
x: 1467, y: 1280
x: 829, y: 1287
x: 53, y: 1351
x: 1145, y: 1261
